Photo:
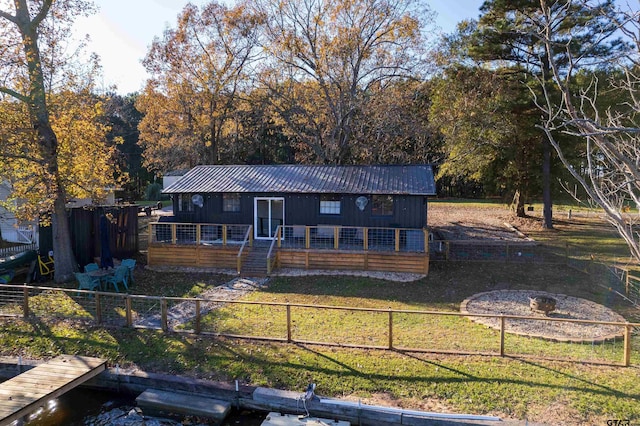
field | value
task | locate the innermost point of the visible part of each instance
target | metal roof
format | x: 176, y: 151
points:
x: 383, y: 179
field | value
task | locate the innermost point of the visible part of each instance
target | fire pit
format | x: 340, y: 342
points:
x: 542, y: 304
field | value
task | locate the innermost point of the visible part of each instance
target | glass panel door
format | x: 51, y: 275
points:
x: 268, y: 215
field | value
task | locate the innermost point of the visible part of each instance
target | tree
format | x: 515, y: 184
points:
x: 123, y: 119
x: 198, y: 71
x: 326, y: 59
x: 609, y: 129
x: 489, y: 136
x: 508, y: 31
x: 31, y: 60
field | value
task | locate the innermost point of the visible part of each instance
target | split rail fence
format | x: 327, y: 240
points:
x: 367, y: 328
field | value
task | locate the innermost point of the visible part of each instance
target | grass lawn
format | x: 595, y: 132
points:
x: 537, y: 390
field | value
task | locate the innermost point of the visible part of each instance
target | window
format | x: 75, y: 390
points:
x: 184, y: 203
x: 329, y: 204
x: 230, y: 202
x: 382, y: 205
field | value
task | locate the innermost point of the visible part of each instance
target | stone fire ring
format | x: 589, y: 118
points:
x: 516, y: 302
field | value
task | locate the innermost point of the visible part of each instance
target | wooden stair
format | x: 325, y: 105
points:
x: 255, y: 263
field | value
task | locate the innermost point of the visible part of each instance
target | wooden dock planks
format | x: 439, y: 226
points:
x: 28, y: 391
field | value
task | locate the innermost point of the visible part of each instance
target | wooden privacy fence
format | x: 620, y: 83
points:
x: 342, y: 326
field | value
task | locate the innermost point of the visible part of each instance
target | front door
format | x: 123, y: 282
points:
x: 268, y: 213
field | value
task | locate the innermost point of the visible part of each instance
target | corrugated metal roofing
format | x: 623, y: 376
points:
x: 383, y: 179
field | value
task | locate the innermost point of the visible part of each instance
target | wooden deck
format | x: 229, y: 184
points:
x: 30, y: 390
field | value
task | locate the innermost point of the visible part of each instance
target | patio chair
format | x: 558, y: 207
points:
x: 86, y: 282
x: 131, y: 264
x: 93, y: 267
x: 120, y: 276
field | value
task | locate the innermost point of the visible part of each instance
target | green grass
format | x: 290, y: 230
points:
x: 516, y: 388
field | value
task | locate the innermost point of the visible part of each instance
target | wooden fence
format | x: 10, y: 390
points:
x: 385, y: 329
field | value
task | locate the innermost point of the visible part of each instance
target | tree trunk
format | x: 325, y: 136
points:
x: 64, y: 258
x: 546, y: 185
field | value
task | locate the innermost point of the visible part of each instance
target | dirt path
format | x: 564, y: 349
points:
x: 183, y: 312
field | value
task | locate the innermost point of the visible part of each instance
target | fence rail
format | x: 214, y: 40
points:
x: 354, y: 327
x: 17, y: 249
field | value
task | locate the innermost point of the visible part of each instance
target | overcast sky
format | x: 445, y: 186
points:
x: 123, y: 30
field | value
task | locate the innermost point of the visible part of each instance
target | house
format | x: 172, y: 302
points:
x: 305, y: 210
x: 171, y: 177
x: 10, y: 229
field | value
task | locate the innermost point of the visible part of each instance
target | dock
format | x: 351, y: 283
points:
x: 26, y: 392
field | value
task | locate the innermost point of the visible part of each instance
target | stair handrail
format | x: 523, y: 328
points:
x: 271, y: 253
x: 247, y: 238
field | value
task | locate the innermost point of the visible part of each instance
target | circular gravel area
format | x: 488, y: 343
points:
x: 516, y: 302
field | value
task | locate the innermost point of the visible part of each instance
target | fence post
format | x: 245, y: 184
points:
x: 336, y: 237
x: 626, y: 282
x: 174, y: 233
x: 198, y: 325
x: 163, y: 314
x: 307, y: 237
x: 288, y: 323
x: 25, y: 302
x: 152, y: 231
x: 279, y: 236
x: 627, y: 346
x: 98, y: 309
x: 501, y: 335
x: 390, y: 329
x: 127, y: 301
x: 198, y: 233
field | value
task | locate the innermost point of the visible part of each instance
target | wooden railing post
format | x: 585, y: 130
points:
x: 336, y: 237
x: 426, y: 240
x: 288, y: 323
x: 174, y: 237
x: 307, y: 237
x: 390, y: 329
x: 25, y: 302
x: 626, y: 361
x: 198, y: 233
x: 279, y: 236
x: 397, y: 237
x: 129, y: 315
x: 501, y: 335
x: 250, y: 236
x: 163, y: 314
x: 239, y: 264
x: 151, y: 232
x: 98, y: 309
x: 224, y: 235
x: 198, y: 324
x: 365, y: 238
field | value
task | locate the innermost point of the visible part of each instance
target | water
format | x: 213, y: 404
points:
x: 86, y: 407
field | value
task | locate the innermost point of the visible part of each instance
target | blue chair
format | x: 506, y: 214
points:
x: 93, y: 267
x: 120, y: 276
x: 86, y: 282
x: 131, y: 264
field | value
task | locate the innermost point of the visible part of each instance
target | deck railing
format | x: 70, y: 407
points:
x: 355, y: 238
x: 248, y: 240
x: 198, y: 233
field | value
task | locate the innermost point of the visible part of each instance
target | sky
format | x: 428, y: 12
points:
x: 121, y: 32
